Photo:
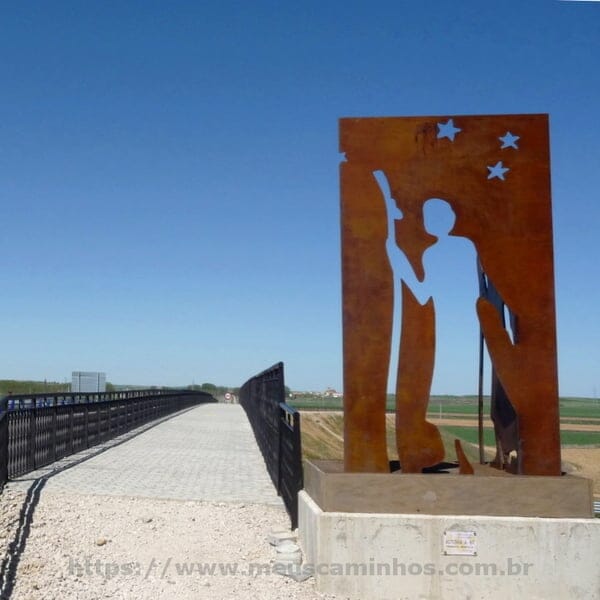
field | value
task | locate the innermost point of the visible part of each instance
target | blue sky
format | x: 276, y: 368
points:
x: 169, y: 173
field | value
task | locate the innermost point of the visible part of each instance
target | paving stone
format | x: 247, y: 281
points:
x: 208, y: 453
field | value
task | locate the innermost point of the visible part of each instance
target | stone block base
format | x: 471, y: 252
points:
x: 488, y: 492
x: 387, y: 556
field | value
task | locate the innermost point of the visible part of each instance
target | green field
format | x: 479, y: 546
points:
x: 470, y: 434
x: 577, y: 407
x: 574, y: 408
x: 567, y: 438
x: 583, y: 408
x: 11, y: 386
x: 316, y: 403
x: 457, y: 404
x: 580, y: 438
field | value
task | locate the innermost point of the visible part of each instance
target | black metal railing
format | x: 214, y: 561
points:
x: 291, y: 477
x: 39, y: 429
x: 276, y: 426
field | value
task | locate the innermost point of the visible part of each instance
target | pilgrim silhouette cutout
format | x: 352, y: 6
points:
x: 412, y: 425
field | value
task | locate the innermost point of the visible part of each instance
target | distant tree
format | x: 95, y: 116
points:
x: 209, y: 387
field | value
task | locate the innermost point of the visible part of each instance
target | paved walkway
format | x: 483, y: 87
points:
x: 206, y: 453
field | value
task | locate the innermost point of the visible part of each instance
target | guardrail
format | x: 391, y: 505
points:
x: 276, y: 426
x: 39, y: 429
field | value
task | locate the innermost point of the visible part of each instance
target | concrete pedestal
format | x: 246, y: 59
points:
x: 394, y: 556
x: 391, y: 536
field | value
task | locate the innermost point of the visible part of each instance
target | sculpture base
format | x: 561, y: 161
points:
x: 443, y: 557
x: 487, y: 492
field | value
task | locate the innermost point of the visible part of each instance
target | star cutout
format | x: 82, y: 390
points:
x: 509, y: 140
x: 497, y: 171
x: 447, y: 130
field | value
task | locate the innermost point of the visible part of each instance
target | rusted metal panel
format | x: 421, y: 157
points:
x: 494, y: 173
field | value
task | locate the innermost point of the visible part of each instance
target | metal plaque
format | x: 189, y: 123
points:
x: 460, y: 543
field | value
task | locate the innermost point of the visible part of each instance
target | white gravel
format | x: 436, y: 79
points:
x: 88, y: 547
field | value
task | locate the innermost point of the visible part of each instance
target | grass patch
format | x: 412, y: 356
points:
x: 580, y: 410
x: 567, y: 438
x: 470, y: 434
x: 580, y: 438
x: 316, y: 403
x: 321, y: 436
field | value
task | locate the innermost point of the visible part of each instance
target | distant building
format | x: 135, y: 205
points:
x: 88, y: 381
x: 331, y: 393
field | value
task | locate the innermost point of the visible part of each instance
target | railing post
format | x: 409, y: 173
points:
x: 54, y: 424
x: 31, y: 439
x: 70, y: 408
x: 279, y: 449
x: 297, y: 461
x: 3, y: 441
x: 87, y: 426
x: 109, y: 419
